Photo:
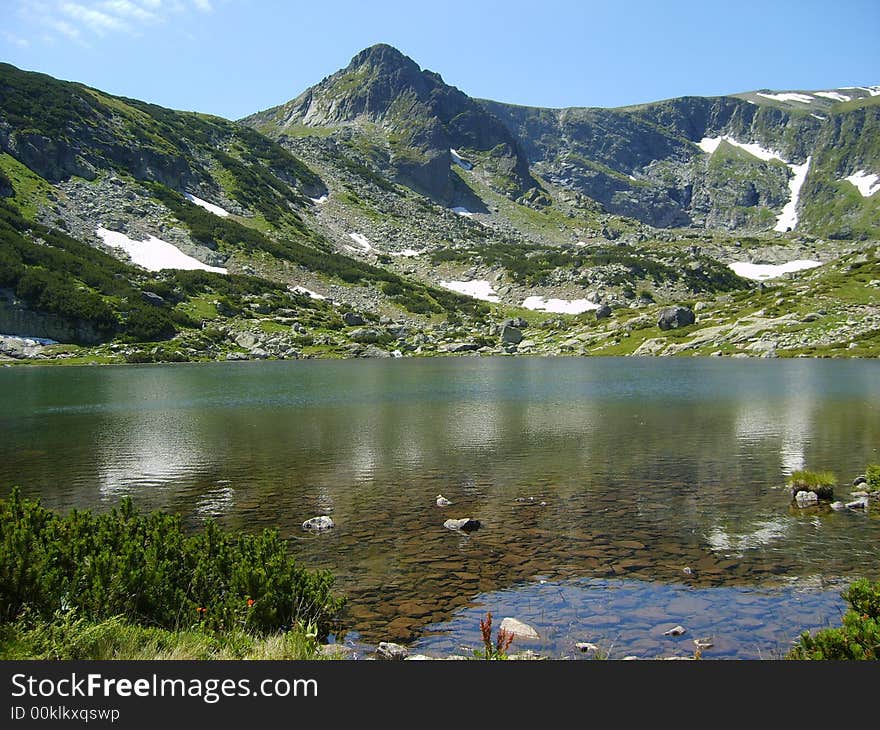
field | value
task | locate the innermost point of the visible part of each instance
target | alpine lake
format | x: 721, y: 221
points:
x: 618, y: 497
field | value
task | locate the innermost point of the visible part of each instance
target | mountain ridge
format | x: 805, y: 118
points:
x: 406, y: 218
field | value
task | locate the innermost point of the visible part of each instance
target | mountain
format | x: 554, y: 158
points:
x: 385, y: 212
x: 408, y: 121
x: 662, y: 162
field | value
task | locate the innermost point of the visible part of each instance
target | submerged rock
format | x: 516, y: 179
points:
x: 518, y: 629
x: 442, y: 501
x: 675, y: 631
x: 318, y: 523
x: 466, y: 524
x: 806, y: 499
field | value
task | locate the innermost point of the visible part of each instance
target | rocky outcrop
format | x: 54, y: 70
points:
x: 17, y: 319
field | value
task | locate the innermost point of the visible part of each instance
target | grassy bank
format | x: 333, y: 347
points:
x: 70, y: 638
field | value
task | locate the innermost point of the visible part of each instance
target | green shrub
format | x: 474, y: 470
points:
x: 820, y: 482
x: 146, y: 323
x: 872, y: 474
x: 145, y: 568
x: 859, y: 635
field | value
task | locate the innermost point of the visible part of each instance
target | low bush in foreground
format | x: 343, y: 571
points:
x: 872, y: 474
x: 145, y: 569
x: 820, y: 482
x: 859, y: 635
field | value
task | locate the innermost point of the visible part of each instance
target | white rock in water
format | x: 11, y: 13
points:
x: 586, y: 646
x: 442, y: 501
x: 704, y: 643
x: 860, y: 503
x: 518, y: 629
x: 675, y: 631
x: 806, y: 499
x: 465, y: 524
x: 837, y: 506
x: 389, y: 650
x: 318, y: 523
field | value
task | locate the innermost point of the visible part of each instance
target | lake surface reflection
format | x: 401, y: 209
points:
x: 646, y: 467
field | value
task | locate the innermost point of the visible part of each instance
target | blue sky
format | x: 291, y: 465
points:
x: 233, y: 57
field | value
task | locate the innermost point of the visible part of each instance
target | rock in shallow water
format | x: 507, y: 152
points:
x: 318, y: 523
x: 389, y: 650
x: 442, y: 501
x: 675, y: 631
x: 806, y: 499
x: 466, y: 524
x: 518, y: 629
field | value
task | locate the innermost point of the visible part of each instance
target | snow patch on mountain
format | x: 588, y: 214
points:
x: 303, y: 290
x: 559, y: 306
x: 788, y: 218
x: 788, y: 96
x: 457, y: 159
x: 154, y: 254
x: 833, y: 95
x: 361, y: 240
x: 759, y: 272
x: 867, y: 183
x: 210, y: 207
x: 478, y: 289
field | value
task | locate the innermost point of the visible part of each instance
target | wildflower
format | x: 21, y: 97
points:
x: 250, y: 602
x: 202, y: 609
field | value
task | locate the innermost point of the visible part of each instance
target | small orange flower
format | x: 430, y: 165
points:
x: 250, y: 602
x: 201, y: 609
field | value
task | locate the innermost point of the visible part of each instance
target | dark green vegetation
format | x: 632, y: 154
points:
x: 146, y: 569
x: 859, y: 635
x: 55, y: 273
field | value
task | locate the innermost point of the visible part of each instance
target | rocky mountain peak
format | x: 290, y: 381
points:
x: 414, y: 119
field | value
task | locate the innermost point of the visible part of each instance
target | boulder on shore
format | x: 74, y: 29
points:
x: 675, y: 317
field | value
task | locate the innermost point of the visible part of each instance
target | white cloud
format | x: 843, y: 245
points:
x: 96, y: 20
x: 78, y: 20
x: 15, y: 40
x: 127, y: 9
